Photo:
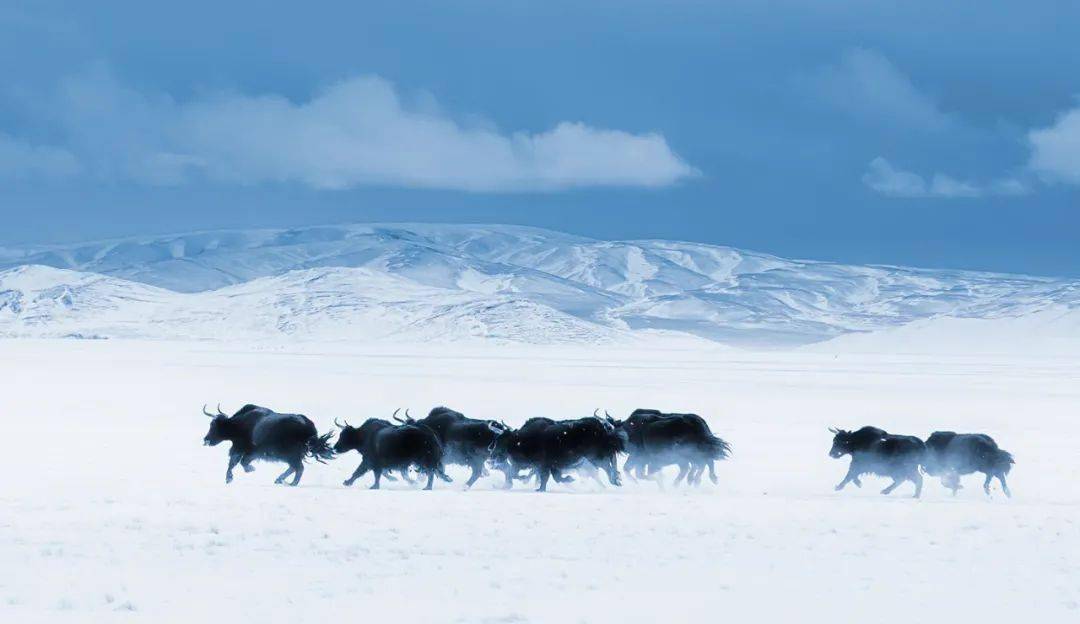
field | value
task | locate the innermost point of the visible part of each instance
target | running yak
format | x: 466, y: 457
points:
x: 385, y: 446
x: 950, y: 455
x: 656, y: 439
x: 550, y: 447
x: 465, y: 441
x: 263, y: 434
x: 874, y: 451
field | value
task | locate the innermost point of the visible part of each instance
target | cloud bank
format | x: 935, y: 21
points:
x: 1055, y: 151
x: 884, y: 178
x: 357, y: 132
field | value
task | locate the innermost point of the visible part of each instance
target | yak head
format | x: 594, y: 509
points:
x: 842, y: 443
x: 220, y: 428
x: 499, y: 449
x: 349, y: 438
x: 848, y: 442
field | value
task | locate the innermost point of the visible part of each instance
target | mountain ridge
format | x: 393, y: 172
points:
x: 587, y: 287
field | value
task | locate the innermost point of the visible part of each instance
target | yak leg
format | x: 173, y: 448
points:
x: 851, y: 476
x: 683, y: 470
x: 477, y: 472
x: 916, y: 478
x: 281, y: 478
x: 359, y: 472
x: 378, y: 477
x: 612, y: 472
x: 245, y: 463
x: 712, y: 473
x: 629, y: 467
x: 892, y: 486
x: 560, y: 477
x: 1004, y: 486
x: 509, y: 471
x: 430, y: 479
x: 298, y: 471
x: 696, y: 470
x: 234, y: 458
x: 656, y: 474
x: 986, y: 484
x: 952, y: 482
x: 545, y: 472
x: 594, y: 474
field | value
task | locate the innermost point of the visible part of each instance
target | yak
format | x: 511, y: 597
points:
x: 550, y: 447
x: 385, y: 446
x: 263, y: 434
x: 875, y: 451
x: 656, y: 439
x: 465, y: 441
x: 520, y: 449
x: 950, y: 455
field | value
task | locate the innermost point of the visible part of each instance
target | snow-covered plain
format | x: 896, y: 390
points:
x: 113, y: 511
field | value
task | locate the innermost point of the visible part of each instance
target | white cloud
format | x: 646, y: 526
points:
x: 865, y: 84
x: 883, y: 177
x: 19, y: 159
x: 1055, y: 151
x: 354, y: 133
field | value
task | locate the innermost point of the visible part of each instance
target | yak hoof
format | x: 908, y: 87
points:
x: 838, y: 487
x: 249, y: 468
x: 228, y: 479
x: 374, y: 487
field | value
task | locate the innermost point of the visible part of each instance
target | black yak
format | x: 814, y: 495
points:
x: 385, y: 446
x: 874, y: 451
x: 465, y: 441
x: 520, y: 449
x: 656, y: 439
x: 950, y: 455
x: 551, y: 447
x: 259, y: 433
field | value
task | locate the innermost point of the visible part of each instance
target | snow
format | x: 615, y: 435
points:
x: 113, y: 511
x: 576, y: 288
x: 1054, y: 331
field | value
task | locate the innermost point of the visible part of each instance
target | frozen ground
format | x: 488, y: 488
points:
x: 111, y: 510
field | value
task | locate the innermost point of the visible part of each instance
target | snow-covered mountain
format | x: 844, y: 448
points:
x: 487, y: 282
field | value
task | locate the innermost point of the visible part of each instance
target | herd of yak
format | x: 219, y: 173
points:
x: 545, y: 449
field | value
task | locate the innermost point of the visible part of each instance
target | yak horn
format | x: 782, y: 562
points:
x: 596, y: 413
x: 219, y: 410
x: 834, y: 430
x: 337, y: 424
x: 206, y: 412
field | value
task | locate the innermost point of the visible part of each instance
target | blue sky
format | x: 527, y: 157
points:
x: 924, y: 133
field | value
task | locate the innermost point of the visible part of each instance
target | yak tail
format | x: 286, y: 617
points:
x: 318, y: 448
x: 715, y: 448
x: 1003, y: 461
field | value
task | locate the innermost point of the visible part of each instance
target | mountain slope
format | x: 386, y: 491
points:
x: 332, y: 304
x: 510, y: 274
